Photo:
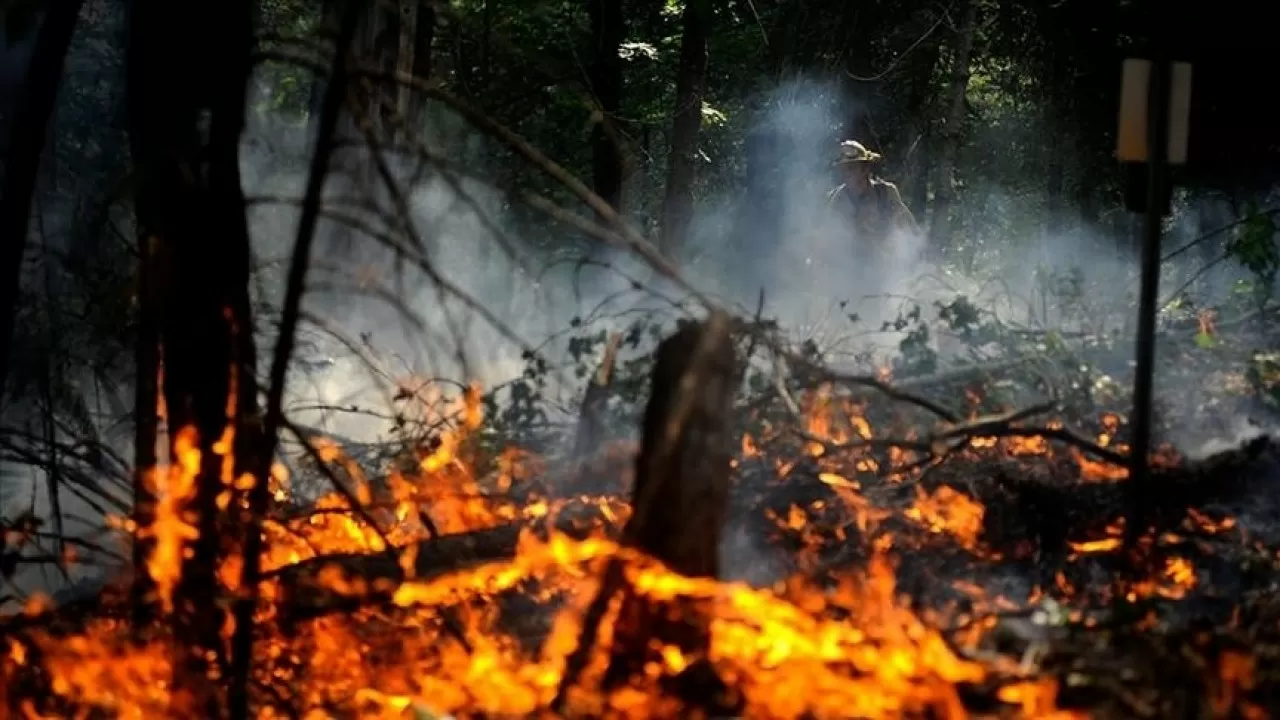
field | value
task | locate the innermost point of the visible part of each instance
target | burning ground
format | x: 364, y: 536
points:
x: 882, y: 555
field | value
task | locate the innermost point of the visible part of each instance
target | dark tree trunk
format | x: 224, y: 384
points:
x: 917, y: 142
x: 677, y: 204
x: 406, y: 25
x: 680, y: 501
x: 486, y: 44
x: 917, y: 197
x: 679, y: 504
x: 608, y: 30
x: 1054, y: 186
x: 416, y: 26
x: 377, y: 41
x: 26, y: 144
x: 187, y: 68
x: 1056, y: 108
x: 942, y: 223
x: 425, y: 32
x: 330, y: 16
x: 146, y: 419
x: 395, y: 41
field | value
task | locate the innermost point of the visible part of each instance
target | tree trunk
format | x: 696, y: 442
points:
x: 486, y: 44
x: 377, y: 45
x: 425, y: 34
x: 679, y: 504
x: 918, y: 177
x: 416, y: 26
x: 1054, y: 186
x: 942, y: 224
x: 25, y: 146
x: 146, y: 418
x: 608, y: 30
x: 187, y: 68
x: 917, y: 141
x: 1055, y: 110
x: 677, y: 205
x: 406, y: 58
x: 330, y: 12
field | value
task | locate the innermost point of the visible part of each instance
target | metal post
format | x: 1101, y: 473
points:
x: 1140, y: 424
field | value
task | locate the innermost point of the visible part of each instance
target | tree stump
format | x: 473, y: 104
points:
x: 682, y: 472
x: 679, y: 506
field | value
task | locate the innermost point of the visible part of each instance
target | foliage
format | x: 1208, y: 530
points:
x: 1255, y: 247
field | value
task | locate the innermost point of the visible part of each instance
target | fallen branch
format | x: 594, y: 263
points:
x: 822, y: 373
x: 307, y: 595
x: 998, y: 426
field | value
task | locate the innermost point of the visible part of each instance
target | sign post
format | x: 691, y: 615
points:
x: 1155, y: 104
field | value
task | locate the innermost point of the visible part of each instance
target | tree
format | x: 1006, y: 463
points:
x: 608, y: 30
x: 691, y: 76
x: 186, y: 63
x: 942, y: 221
x: 26, y: 143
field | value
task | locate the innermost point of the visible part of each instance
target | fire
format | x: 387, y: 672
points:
x: 1176, y: 578
x: 492, y: 637
x: 947, y: 511
x: 173, y: 487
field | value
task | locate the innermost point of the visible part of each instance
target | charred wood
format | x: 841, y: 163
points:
x: 679, y: 506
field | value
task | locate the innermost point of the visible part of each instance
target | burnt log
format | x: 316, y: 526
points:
x: 679, y: 507
x: 307, y: 594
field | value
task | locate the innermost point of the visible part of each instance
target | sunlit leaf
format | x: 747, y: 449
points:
x: 712, y: 116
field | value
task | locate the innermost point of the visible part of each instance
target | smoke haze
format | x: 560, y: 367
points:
x: 816, y: 276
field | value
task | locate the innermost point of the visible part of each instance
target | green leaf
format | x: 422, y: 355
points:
x: 1053, y: 341
x: 1205, y: 341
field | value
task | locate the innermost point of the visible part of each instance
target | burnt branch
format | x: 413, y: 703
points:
x: 959, y: 433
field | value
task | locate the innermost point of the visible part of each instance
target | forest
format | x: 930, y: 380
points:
x: 635, y: 358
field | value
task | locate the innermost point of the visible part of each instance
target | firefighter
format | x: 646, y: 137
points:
x: 870, y: 204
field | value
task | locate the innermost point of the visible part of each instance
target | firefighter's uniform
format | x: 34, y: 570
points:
x: 875, y: 213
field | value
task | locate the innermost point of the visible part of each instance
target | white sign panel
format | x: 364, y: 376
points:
x: 1131, y: 137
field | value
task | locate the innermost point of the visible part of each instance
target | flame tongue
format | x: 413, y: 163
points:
x: 491, y: 638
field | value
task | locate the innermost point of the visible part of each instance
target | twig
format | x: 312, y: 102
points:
x: 357, y: 507
x: 901, y: 56
x: 751, y: 345
x: 633, y: 240
x: 870, y: 382
x: 1192, y: 280
x: 1231, y: 225
x: 453, y: 179
x: 988, y: 426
